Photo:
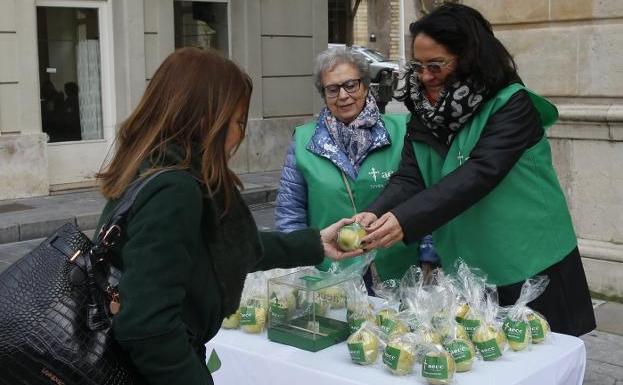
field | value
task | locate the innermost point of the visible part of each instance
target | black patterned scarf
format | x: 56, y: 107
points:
x: 457, y: 103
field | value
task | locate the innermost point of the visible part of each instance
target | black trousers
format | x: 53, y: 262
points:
x: 566, y: 302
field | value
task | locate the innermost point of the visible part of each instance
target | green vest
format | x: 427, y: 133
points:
x: 523, y: 225
x: 328, y: 200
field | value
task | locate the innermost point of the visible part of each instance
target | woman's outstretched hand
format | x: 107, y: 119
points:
x: 365, y: 219
x: 382, y: 233
x: 328, y: 236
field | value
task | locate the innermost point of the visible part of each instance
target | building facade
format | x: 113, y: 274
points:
x: 71, y: 72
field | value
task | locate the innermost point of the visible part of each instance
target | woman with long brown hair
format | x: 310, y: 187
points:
x: 190, y: 239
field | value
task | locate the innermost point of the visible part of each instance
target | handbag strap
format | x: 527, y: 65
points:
x: 350, y: 192
x: 111, y: 230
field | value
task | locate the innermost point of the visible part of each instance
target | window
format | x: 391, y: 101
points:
x: 201, y: 24
x: 69, y: 73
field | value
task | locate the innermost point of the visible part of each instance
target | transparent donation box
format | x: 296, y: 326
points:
x: 307, y: 309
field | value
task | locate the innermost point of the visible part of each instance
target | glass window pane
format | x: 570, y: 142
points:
x: 201, y: 24
x: 69, y: 73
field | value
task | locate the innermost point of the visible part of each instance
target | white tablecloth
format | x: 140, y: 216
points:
x: 253, y: 359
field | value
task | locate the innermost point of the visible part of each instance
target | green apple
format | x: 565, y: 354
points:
x: 232, y: 322
x: 399, y: 356
x: 438, y: 368
x: 463, y: 352
x: 335, y: 296
x: 461, y: 333
x: 349, y: 237
x: 430, y: 336
x: 518, y: 334
x: 363, y: 346
x: 539, y: 327
x: 489, y: 341
x: 462, y: 311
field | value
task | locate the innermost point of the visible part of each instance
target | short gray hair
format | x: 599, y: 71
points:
x: 327, y: 60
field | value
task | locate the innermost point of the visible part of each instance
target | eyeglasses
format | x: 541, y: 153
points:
x: 433, y: 67
x: 350, y: 86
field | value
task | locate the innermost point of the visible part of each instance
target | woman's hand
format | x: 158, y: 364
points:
x: 328, y: 236
x: 365, y: 219
x: 383, y: 233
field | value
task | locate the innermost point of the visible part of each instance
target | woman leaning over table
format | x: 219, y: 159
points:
x: 348, y: 152
x: 476, y: 170
x: 190, y: 239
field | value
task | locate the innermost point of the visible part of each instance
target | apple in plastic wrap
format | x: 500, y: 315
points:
x: 389, y: 323
x: 462, y: 311
x: 363, y: 346
x: 470, y: 322
x: 253, y: 316
x: 461, y: 333
x: 399, y: 356
x: 539, y: 327
x: 438, y: 368
x: 431, y: 337
x: 357, y: 313
x: 463, y: 352
x: 232, y: 322
x: 335, y: 296
x: 490, y: 342
x: 349, y: 237
x: 518, y: 334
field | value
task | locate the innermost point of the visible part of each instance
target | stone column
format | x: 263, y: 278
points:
x: 23, y: 153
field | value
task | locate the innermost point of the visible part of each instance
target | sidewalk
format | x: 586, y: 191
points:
x: 32, y: 218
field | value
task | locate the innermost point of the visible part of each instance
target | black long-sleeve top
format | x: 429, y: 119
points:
x: 509, y: 132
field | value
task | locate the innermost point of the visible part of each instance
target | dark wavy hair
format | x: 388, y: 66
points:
x: 464, y: 32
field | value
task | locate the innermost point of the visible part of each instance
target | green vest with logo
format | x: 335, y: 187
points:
x: 523, y: 225
x: 328, y: 200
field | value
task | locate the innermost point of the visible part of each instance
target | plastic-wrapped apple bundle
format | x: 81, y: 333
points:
x: 232, y: 322
x: 387, y: 317
x: 457, y: 342
x: 364, y: 344
x: 438, y: 366
x: 489, y: 338
x: 539, y: 327
x: 516, y: 324
x: 254, y: 304
x: 359, y: 309
x: 349, y: 237
x: 470, y: 289
x: 400, y: 353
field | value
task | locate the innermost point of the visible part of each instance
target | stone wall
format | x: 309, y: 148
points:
x: 23, y: 155
x: 570, y: 51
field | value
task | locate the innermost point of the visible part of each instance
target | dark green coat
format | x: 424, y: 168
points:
x: 183, y: 272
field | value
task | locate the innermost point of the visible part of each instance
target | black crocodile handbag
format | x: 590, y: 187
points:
x: 56, y: 309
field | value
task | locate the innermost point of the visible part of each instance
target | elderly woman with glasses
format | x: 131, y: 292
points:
x: 476, y: 170
x: 339, y: 163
